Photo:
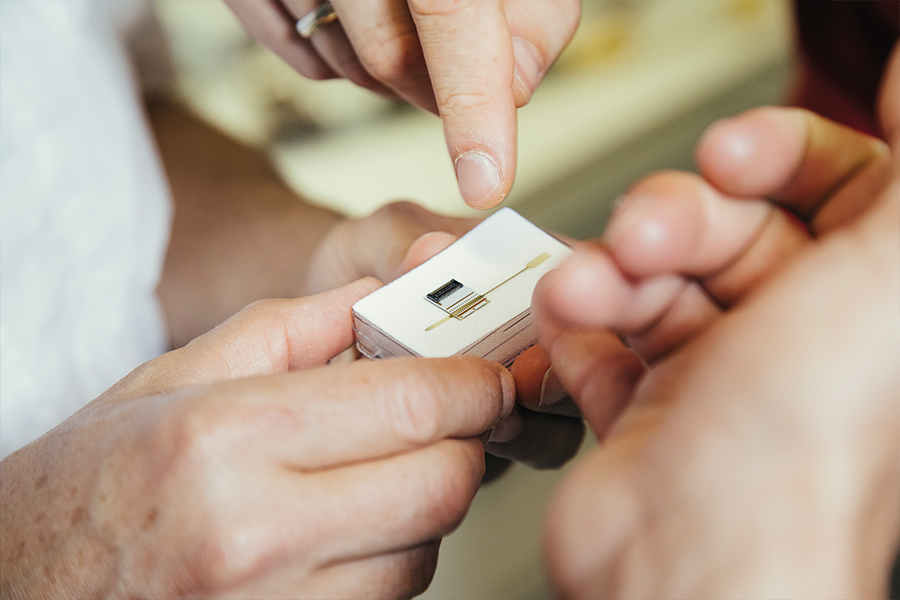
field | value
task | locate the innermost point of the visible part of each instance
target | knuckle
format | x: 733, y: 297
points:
x: 435, y: 8
x: 490, y: 389
x: 267, y: 310
x: 415, y: 411
x: 454, y: 103
x: 191, y: 437
x: 216, y: 547
x: 160, y: 375
x: 271, y: 318
x: 223, y: 556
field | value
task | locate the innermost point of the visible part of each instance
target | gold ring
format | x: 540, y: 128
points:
x: 310, y: 23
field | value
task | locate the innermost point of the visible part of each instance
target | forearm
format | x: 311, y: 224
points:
x: 239, y: 233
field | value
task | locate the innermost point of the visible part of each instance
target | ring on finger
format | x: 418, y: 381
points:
x: 311, y: 22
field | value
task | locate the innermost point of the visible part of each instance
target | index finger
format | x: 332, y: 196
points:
x: 817, y: 168
x: 342, y: 414
x: 469, y: 55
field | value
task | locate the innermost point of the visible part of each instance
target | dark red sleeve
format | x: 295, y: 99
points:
x: 844, y: 47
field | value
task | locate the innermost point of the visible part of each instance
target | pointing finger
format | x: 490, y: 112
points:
x: 470, y: 60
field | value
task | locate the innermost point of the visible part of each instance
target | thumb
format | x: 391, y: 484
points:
x: 278, y: 335
x: 266, y: 337
x: 424, y: 248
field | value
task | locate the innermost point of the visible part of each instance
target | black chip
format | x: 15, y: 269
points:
x: 442, y: 292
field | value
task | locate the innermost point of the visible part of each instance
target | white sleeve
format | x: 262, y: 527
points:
x: 85, y: 215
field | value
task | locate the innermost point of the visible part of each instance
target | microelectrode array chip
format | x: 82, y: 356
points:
x: 472, y: 298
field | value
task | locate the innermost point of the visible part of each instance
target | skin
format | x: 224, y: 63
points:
x: 756, y: 455
x: 240, y: 234
x: 241, y: 465
x: 472, y: 62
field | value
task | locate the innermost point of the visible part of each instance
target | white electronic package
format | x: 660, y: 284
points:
x: 472, y: 298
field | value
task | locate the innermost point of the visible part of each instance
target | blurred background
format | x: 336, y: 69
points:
x: 631, y: 94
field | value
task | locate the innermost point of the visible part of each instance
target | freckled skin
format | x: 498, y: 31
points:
x: 77, y: 516
x: 152, y: 516
x: 202, y: 493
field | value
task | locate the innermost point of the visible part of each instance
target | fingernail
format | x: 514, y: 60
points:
x: 554, y: 398
x: 505, y: 431
x: 508, y: 385
x: 478, y: 178
x: 529, y: 68
x: 552, y: 390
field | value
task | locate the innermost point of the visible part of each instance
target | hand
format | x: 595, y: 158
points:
x: 239, y: 234
x: 546, y: 428
x: 384, y: 245
x: 756, y: 457
x: 472, y: 62
x: 241, y: 465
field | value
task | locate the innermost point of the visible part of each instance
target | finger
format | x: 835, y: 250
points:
x: 330, y: 43
x: 656, y: 314
x: 385, y: 40
x: 336, y: 51
x: 377, y: 245
x: 539, y: 32
x: 267, y: 337
x: 589, y: 289
x: 386, y: 505
x: 401, y: 574
x: 674, y: 222
x: 595, y: 366
x: 272, y: 25
x: 280, y: 335
x: 687, y: 315
x: 424, y: 248
x: 541, y: 441
x: 470, y: 60
x: 380, y: 243
x: 312, y: 521
x: 799, y: 159
x: 353, y: 412
x: 537, y: 386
